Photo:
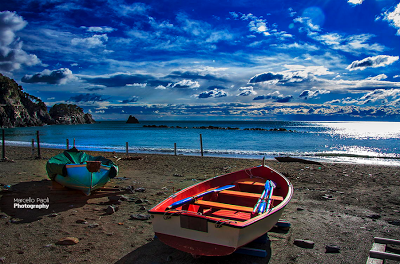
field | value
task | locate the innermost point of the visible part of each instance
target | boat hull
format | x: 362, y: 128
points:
x: 77, y: 170
x: 79, y: 178
x: 215, y: 232
x: 220, y: 240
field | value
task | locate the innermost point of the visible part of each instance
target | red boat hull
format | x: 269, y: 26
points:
x: 202, y: 222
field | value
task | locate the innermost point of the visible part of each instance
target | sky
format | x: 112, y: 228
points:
x: 207, y: 60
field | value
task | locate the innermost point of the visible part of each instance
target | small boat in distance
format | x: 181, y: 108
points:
x: 219, y: 215
x: 77, y: 170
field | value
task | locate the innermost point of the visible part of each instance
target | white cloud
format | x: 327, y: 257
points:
x: 186, y: 84
x: 12, y: 56
x: 104, y: 29
x: 393, y: 18
x: 142, y: 85
x: 389, y: 97
x: 127, y: 10
x: 372, y: 62
x: 308, y: 24
x: 294, y: 74
x: 275, y: 96
x: 355, y: 2
x: 60, y: 76
x: 378, y: 77
x: 352, y: 44
x: 307, y: 94
x: 95, y: 41
x: 246, y: 91
x: 215, y: 93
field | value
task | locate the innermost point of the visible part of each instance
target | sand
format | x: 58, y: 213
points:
x: 333, y: 204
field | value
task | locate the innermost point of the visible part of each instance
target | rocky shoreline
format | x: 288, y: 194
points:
x: 334, y: 214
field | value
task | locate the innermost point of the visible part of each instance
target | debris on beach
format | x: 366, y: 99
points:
x: 117, y: 198
x: 5, y: 159
x: 328, y: 197
x: 394, y: 222
x: 121, y: 178
x: 139, y: 201
x: 132, y: 158
x: 7, y: 187
x: 81, y: 221
x: 111, y: 209
x: 332, y: 249
x: 374, y: 216
x: 141, y: 189
x: 94, y: 225
x: 68, y: 241
x: 304, y: 243
x: 140, y: 216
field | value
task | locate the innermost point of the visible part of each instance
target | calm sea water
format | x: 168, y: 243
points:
x: 357, y: 142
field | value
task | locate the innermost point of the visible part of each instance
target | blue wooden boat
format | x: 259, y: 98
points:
x: 77, y: 170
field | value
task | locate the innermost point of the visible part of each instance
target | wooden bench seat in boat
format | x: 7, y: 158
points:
x: 253, y: 182
x: 249, y: 195
x: 217, y: 205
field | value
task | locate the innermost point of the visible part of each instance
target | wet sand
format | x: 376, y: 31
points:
x: 333, y: 204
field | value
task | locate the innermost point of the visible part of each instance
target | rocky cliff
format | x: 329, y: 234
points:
x: 70, y: 114
x: 19, y: 109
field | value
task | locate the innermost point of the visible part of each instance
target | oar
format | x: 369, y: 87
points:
x: 190, y: 199
x: 263, y: 204
x: 262, y: 197
x: 267, y: 209
x: 266, y: 202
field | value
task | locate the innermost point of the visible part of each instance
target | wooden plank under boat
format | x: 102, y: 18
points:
x: 218, y: 216
x: 77, y: 170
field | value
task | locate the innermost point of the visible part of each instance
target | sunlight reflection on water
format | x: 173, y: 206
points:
x: 364, y: 130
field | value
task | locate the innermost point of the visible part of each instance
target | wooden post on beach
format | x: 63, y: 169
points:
x: 67, y: 144
x: 175, y: 149
x: 33, y: 147
x: 3, y: 145
x: 127, y: 149
x: 38, y: 144
x: 74, y: 142
x: 201, y: 145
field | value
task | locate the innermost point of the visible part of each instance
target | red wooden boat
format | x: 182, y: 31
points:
x: 224, y: 213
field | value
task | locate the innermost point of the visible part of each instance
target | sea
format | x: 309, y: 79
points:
x: 348, y: 142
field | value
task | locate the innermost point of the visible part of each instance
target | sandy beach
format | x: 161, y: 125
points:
x: 333, y: 204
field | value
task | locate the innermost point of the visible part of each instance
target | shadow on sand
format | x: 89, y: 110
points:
x: 44, y: 192
x: 156, y: 252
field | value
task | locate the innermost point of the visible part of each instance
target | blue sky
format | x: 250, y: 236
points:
x: 278, y: 59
